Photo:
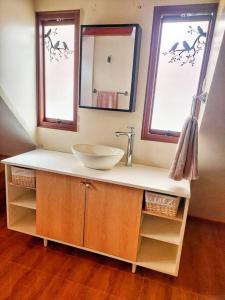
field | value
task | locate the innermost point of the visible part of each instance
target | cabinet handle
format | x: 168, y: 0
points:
x: 87, y: 185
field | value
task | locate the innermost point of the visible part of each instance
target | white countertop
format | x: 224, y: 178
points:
x: 138, y: 176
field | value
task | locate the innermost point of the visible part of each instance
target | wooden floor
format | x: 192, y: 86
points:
x: 30, y: 271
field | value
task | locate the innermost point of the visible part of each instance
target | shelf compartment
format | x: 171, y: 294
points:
x: 161, y: 229
x: 20, y: 186
x: 26, y: 224
x: 28, y: 200
x: 158, y: 256
x: 179, y: 216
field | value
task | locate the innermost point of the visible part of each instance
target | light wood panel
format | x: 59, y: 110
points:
x: 182, y: 230
x: 60, y: 207
x: 26, y: 224
x: 156, y: 231
x: 28, y: 200
x: 161, y: 229
x: 158, y: 256
x: 112, y: 219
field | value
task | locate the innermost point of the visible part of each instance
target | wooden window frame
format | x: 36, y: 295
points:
x: 67, y: 17
x: 159, y: 13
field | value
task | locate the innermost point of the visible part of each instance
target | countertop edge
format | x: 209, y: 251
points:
x: 8, y: 161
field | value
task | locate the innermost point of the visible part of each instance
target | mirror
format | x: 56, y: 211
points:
x: 109, y: 59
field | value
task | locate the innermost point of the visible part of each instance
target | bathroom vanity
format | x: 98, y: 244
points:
x: 98, y: 211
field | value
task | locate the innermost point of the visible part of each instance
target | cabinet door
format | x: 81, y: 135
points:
x: 60, y: 207
x: 112, y: 219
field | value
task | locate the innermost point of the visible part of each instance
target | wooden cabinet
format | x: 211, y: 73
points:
x: 60, y: 207
x: 97, y: 216
x: 105, y: 216
x: 112, y: 219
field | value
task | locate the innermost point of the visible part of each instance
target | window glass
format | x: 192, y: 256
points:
x: 178, y: 73
x: 59, y: 71
x: 57, y: 49
x: 179, y: 53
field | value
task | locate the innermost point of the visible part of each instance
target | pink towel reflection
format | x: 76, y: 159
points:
x: 107, y: 99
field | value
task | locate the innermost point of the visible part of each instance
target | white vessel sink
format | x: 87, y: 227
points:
x: 97, y: 156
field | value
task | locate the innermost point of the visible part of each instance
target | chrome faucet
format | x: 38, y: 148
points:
x: 130, y: 134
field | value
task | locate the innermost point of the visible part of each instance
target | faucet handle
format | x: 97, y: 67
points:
x: 131, y: 129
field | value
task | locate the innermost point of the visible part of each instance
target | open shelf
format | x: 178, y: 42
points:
x: 158, y: 256
x: 20, y: 186
x: 28, y: 200
x: 27, y: 224
x: 161, y: 229
x: 179, y: 216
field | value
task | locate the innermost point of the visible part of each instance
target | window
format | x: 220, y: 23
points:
x: 180, y: 47
x: 57, y: 36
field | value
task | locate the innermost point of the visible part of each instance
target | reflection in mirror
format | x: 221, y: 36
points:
x: 109, y: 56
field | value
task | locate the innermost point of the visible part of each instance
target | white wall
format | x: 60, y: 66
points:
x: 13, y: 137
x: 208, y: 193
x: 97, y: 126
x: 17, y: 61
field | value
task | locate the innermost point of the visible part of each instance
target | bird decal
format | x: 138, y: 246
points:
x: 201, y: 32
x: 48, y: 33
x: 186, y: 51
x: 65, y: 46
x: 174, y: 47
x: 186, y: 46
x: 58, y: 49
x: 56, y: 46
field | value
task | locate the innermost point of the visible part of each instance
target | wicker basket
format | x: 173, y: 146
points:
x: 23, y: 177
x: 161, y: 204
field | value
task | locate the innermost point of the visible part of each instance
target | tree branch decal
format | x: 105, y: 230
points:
x: 187, y: 54
x: 59, y: 50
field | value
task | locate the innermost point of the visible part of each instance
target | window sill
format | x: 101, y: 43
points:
x: 59, y: 126
x: 160, y: 138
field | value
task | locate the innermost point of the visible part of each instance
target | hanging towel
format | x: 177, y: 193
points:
x: 185, y: 164
x: 107, y: 99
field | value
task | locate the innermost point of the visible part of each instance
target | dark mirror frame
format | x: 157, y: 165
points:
x: 136, y: 57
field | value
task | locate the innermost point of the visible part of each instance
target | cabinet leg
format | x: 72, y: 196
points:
x: 45, y: 242
x: 134, y: 267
